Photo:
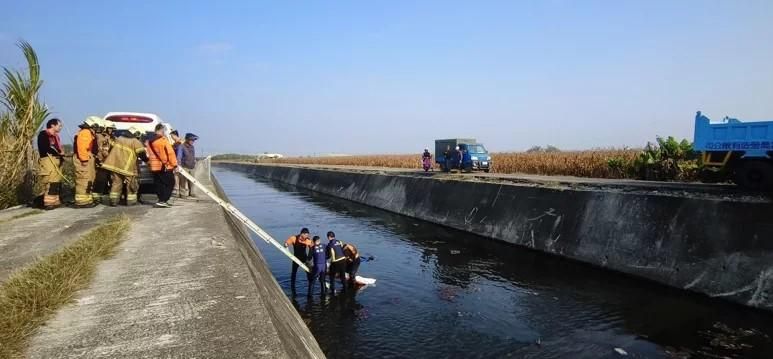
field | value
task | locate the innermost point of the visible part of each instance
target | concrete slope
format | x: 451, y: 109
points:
x: 178, y: 287
x: 23, y: 240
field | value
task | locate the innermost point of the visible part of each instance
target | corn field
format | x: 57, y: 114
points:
x: 21, y: 114
x: 611, y: 163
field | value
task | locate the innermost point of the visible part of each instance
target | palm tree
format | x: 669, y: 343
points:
x: 22, y: 115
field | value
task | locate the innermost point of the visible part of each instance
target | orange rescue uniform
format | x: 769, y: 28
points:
x: 84, y: 167
x: 161, y: 155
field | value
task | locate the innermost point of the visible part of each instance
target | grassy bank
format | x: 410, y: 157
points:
x: 32, y: 295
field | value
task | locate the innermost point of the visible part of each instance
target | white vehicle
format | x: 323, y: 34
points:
x: 270, y: 156
x: 146, y: 122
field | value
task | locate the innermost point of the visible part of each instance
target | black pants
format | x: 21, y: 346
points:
x: 101, y: 182
x: 352, y: 268
x: 337, y: 268
x: 294, y: 271
x: 164, y: 181
x: 317, y: 271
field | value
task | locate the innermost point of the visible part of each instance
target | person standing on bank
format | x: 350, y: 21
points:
x: 186, y: 155
x: 176, y: 142
x: 335, y: 252
x: 163, y: 162
x: 102, y: 176
x: 83, y: 160
x: 300, y: 244
x: 50, y: 163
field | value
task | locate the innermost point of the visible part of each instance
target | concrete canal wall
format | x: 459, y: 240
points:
x: 296, y: 338
x: 706, y: 244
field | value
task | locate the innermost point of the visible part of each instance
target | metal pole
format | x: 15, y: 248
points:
x: 242, y: 218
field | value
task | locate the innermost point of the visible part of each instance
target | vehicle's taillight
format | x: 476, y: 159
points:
x: 130, y: 119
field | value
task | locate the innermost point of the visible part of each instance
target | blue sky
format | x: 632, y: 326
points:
x: 389, y: 77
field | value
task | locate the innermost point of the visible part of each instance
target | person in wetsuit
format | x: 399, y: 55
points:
x: 352, y: 262
x: 300, y: 244
x: 335, y: 252
x: 318, y: 269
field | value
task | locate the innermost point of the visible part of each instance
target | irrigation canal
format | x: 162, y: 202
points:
x: 449, y: 294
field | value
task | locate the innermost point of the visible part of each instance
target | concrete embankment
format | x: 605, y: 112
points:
x: 184, y: 283
x: 718, y: 244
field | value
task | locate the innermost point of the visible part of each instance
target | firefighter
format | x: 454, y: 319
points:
x: 122, y: 164
x: 50, y: 163
x: 102, y: 176
x: 83, y: 160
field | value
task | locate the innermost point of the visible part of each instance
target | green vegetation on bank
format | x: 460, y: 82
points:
x: 21, y: 114
x: 32, y: 295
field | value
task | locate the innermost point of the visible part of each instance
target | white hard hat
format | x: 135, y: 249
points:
x: 108, y: 124
x: 134, y: 130
x: 457, y: 147
x: 92, y: 121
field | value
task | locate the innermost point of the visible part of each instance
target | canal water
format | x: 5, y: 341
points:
x: 448, y: 294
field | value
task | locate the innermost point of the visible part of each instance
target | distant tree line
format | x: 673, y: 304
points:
x: 540, y: 149
x: 233, y: 157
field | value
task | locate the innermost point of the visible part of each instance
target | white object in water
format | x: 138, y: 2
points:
x: 363, y: 280
x: 621, y: 351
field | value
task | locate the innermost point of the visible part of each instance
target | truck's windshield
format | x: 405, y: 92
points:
x: 476, y: 149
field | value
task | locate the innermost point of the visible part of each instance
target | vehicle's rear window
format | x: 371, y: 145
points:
x: 130, y: 119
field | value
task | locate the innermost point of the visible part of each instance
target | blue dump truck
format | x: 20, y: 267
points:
x: 739, y: 149
x: 478, y: 159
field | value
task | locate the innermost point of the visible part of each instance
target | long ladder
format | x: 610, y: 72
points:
x: 244, y: 219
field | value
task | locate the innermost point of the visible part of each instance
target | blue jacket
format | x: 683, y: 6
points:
x: 335, y: 251
x: 318, y: 254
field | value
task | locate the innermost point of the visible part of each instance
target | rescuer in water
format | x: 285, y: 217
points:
x: 50, y: 163
x: 122, y: 163
x: 352, y: 262
x: 335, y: 252
x: 300, y: 244
x: 85, y: 146
x: 318, y: 269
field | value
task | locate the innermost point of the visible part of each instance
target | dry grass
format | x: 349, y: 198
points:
x: 591, y: 163
x: 32, y: 295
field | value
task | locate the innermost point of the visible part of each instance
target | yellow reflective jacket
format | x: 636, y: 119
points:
x: 122, y: 158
